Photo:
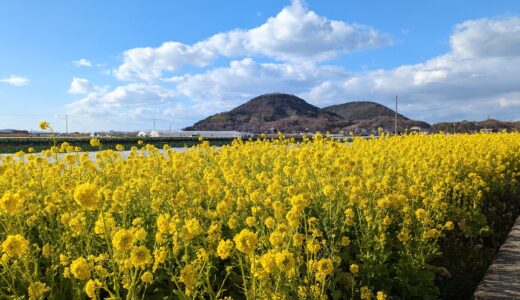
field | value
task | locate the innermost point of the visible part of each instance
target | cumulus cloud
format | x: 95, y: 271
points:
x: 81, y: 86
x: 82, y: 63
x: 15, y: 80
x: 246, y: 78
x: 478, y: 77
x: 127, y: 100
x: 295, y: 33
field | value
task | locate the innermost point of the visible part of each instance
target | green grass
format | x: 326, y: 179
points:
x: 12, y: 145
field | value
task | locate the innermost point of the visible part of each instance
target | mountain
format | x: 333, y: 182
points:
x: 289, y: 113
x: 473, y: 126
x: 278, y: 111
x: 362, y: 110
x: 371, y: 115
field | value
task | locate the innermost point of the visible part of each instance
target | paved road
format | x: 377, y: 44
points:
x: 502, y: 280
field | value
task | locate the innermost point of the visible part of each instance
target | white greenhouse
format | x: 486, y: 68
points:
x: 204, y: 134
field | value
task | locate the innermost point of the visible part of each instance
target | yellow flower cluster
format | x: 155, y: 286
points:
x: 264, y: 219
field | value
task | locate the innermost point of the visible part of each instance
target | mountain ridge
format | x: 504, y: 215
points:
x: 289, y: 113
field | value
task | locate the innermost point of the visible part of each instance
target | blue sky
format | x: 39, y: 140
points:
x: 121, y: 64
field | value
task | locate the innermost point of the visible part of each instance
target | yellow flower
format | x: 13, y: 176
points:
x: 46, y: 250
x: 137, y: 222
x: 298, y: 239
x: 37, y: 290
x: 140, y: 234
x: 381, y: 296
x: 140, y: 257
x: 188, y: 276
x: 76, y: 225
x: 80, y: 269
x: 160, y: 256
x: 119, y: 196
x: 345, y: 241
x: 192, y: 228
x: 95, y: 142
x: 101, y: 271
x: 324, y: 267
x: 449, y: 225
x: 250, y: 221
x: 147, y: 278
x: 313, y: 246
x: 224, y: 249
x: 421, y: 214
x: 276, y: 238
x: 15, y: 245
x: 120, y: 147
x: 268, y: 265
x: 91, y: 289
x: 86, y: 195
x: 328, y: 190
x: 246, y: 241
x: 44, y: 125
x: 354, y: 268
x: 123, y: 240
x: 269, y: 222
x: 431, y: 234
x: 232, y: 222
x: 403, y: 236
x: 104, y: 224
x: 285, y: 260
x: 366, y: 293
x: 11, y: 203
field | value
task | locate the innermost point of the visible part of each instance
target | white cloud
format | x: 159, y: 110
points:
x: 122, y: 100
x: 246, y: 78
x: 467, y: 82
x: 294, y: 34
x: 81, y: 86
x: 15, y: 80
x: 487, y: 38
x: 478, y: 77
x: 82, y: 63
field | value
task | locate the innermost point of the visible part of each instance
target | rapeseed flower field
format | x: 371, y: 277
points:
x: 264, y: 219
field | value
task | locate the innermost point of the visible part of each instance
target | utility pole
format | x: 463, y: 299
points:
x: 154, y: 124
x: 395, y: 116
x: 67, y: 124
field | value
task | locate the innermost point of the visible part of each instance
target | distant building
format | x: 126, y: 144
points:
x: 113, y: 133
x: 204, y: 134
x: 486, y: 130
x: 13, y: 132
x: 416, y: 128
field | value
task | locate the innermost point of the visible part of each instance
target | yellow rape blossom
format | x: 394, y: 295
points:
x: 246, y: 241
x: 86, y: 195
x: 225, y: 248
x: 15, y: 245
x: 37, y: 290
x: 140, y: 257
x: 80, y: 268
x: 123, y: 240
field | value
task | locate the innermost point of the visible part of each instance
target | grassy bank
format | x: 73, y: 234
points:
x: 12, y: 145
